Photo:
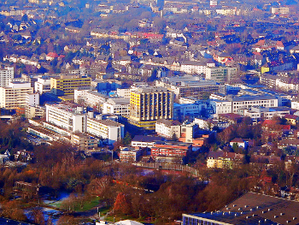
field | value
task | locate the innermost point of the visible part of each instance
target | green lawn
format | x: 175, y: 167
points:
x: 88, y: 205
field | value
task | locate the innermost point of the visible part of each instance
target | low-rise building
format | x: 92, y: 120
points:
x: 127, y: 154
x: 117, y: 106
x: 221, y: 74
x: 107, y: 129
x: 248, y: 101
x: 171, y: 149
x: 224, y: 160
x: 84, y: 141
x: 257, y: 113
x: 168, y: 128
x: 90, y: 98
x: 141, y: 141
x: 188, y: 85
x: 35, y: 111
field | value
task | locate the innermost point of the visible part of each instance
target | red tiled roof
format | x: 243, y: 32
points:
x: 52, y: 54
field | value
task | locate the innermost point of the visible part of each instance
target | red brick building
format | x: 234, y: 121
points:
x: 171, y: 149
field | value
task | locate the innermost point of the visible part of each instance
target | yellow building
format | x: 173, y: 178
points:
x: 148, y: 104
x: 66, y: 84
x: 224, y: 160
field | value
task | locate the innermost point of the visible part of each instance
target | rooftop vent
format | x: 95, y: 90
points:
x: 287, y: 221
x: 251, y: 210
x: 247, y: 217
x: 269, y: 209
x: 263, y: 212
x: 275, y: 216
x: 234, y: 205
x: 294, y: 218
x: 257, y: 207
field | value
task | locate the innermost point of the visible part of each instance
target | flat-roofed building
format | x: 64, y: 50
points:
x: 68, y: 117
x: 184, y: 86
x: 171, y: 149
x: 66, y: 84
x: 117, y: 106
x: 84, y: 141
x: 42, y: 85
x: 15, y: 95
x: 250, y: 208
x: 125, y: 93
x: 107, y: 129
x: 74, y: 119
x: 90, y: 98
x: 6, y: 75
x: 35, y: 111
x: 168, y: 128
x: 248, y: 101
x: 141, y: 141
x: 221, y: 74
x: 149, y: 104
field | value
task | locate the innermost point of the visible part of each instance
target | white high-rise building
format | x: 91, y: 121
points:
x: 6, y: 75
x: 15, y: 95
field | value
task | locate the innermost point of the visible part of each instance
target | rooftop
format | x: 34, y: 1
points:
x: 253, y: 208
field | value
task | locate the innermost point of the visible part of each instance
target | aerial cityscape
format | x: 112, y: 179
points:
x: 131, y: 112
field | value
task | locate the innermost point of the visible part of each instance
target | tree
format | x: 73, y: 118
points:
x: 127, y: 139
x: 38, y: 216
x: 121, y: 205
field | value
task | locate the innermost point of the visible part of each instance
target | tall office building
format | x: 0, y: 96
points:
x: 148, y: 104
x: 66, y: 84
x: 6, y: 74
